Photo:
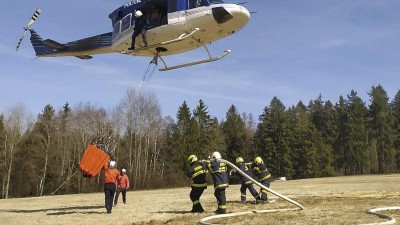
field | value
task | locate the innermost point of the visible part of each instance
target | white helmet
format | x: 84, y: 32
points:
x: 216, y: 155
x: 112, y: 164
x: 138, y: 13
x: 124, y: 170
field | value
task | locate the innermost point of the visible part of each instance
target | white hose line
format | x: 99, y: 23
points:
x: 383, y: 216
x: 204, y: 220
x: 262, y: 186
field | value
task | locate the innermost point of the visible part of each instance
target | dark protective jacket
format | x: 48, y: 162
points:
x: 142, y: 23
x: 261, y: 171
x: 219, y: 173
x: 243, y: 167
x: 197, y: 171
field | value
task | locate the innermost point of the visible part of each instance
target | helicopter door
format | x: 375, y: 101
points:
x: 177, y: 11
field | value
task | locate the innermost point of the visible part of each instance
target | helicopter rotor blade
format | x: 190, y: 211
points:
x: 31, y: 21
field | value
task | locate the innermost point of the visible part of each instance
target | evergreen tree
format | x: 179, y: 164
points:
x: 341, y: 142
x: 381, y: 133
x: 185, y: 136
x: 234, y: 131
x: 202, y: 118
x: 323, y: 124
x: 273, y: 137
x: 217, y: 138
x: 395, y: 105
x: 304, y: 152
x: 356, y: 157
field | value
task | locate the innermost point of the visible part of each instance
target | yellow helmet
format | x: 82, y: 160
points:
x: 192, y: 159
x: 239, y: 160
x: 258, y: 160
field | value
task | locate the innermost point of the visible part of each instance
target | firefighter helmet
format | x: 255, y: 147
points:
x: 123, y: 170
x: 239, y: 160
x: 216, y: 155
x: 258, y: 160
x: 112, y: 164
x: 192, y: 158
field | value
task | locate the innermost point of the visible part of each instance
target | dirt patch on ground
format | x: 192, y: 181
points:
x: 337, y: 200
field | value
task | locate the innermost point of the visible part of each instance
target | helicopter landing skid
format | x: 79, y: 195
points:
x: 157, y: 46
x: 210, y: 59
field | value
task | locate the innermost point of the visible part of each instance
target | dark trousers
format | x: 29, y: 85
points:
x: 263, y: 192
x: 195, y: 195
x: 119, y: 190
x: 219, y: 193
x: 136, y: 33
x: 251, y: 188
x: 109, y: 191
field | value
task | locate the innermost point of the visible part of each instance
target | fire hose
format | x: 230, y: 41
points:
x: 374, y: 211
x: 380, y: 215
x: 203, y: 221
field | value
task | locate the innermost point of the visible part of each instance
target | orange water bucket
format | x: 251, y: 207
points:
x: 93, y: 161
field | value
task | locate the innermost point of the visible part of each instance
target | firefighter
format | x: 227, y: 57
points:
x: 122, y: 186
x: 111, y: 175
x: 219, y: 173
x: 197, y: 172
x: 264, y: 177
x: 246, y: 183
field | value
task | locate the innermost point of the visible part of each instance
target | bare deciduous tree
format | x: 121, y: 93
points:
x: 16, y: 122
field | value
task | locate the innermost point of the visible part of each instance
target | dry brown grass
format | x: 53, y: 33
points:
x: 337, y: 200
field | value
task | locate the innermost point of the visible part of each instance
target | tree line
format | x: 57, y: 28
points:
x: 41, y: 156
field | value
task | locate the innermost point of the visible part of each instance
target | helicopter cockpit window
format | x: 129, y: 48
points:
x: 117, y: 28
x: 215, y: 1
x: 126, y: 23
x: 195, y: 3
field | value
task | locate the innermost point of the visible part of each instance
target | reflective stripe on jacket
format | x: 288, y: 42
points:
x: 261, y: 171
x: 197, y: 171
x: 219, y: 173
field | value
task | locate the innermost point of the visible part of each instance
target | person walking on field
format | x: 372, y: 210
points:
x: 219, y: 173
x: 246, y: 182
x: 264, y: 177
x: 110, y: 179
x: 122, y: 186
x: 197, y: 171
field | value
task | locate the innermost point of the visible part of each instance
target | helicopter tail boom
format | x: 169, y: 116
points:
x: 80, y: 48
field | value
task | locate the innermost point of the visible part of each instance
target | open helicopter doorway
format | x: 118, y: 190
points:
x: 156, y: 11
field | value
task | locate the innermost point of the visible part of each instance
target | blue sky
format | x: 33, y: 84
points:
x: 291, y: 49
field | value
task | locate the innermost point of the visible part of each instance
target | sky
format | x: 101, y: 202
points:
x: 294, y: 50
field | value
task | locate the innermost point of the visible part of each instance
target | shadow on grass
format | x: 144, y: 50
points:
x: 176, y: 212
x: 60, y: 211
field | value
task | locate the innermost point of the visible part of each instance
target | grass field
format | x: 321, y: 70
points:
x: 337, y: 200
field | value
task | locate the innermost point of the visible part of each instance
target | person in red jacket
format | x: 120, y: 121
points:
x: 111, y: 175
x: 122, y: 186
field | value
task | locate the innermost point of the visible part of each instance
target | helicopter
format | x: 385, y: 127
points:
x: 175, y: 26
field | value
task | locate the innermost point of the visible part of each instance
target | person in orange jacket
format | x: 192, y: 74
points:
x: 122, y: 186
x: 111, y: 175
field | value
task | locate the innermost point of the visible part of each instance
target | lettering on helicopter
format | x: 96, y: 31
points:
x: 132, y: 3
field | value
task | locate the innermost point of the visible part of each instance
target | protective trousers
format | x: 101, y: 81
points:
x: 195, y: 195
x: 251, y: 189
x: 136, y: 33
x: 109, y: 191
x: 263, y: 192
x: 219, y: 193
x: 119, y: 190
